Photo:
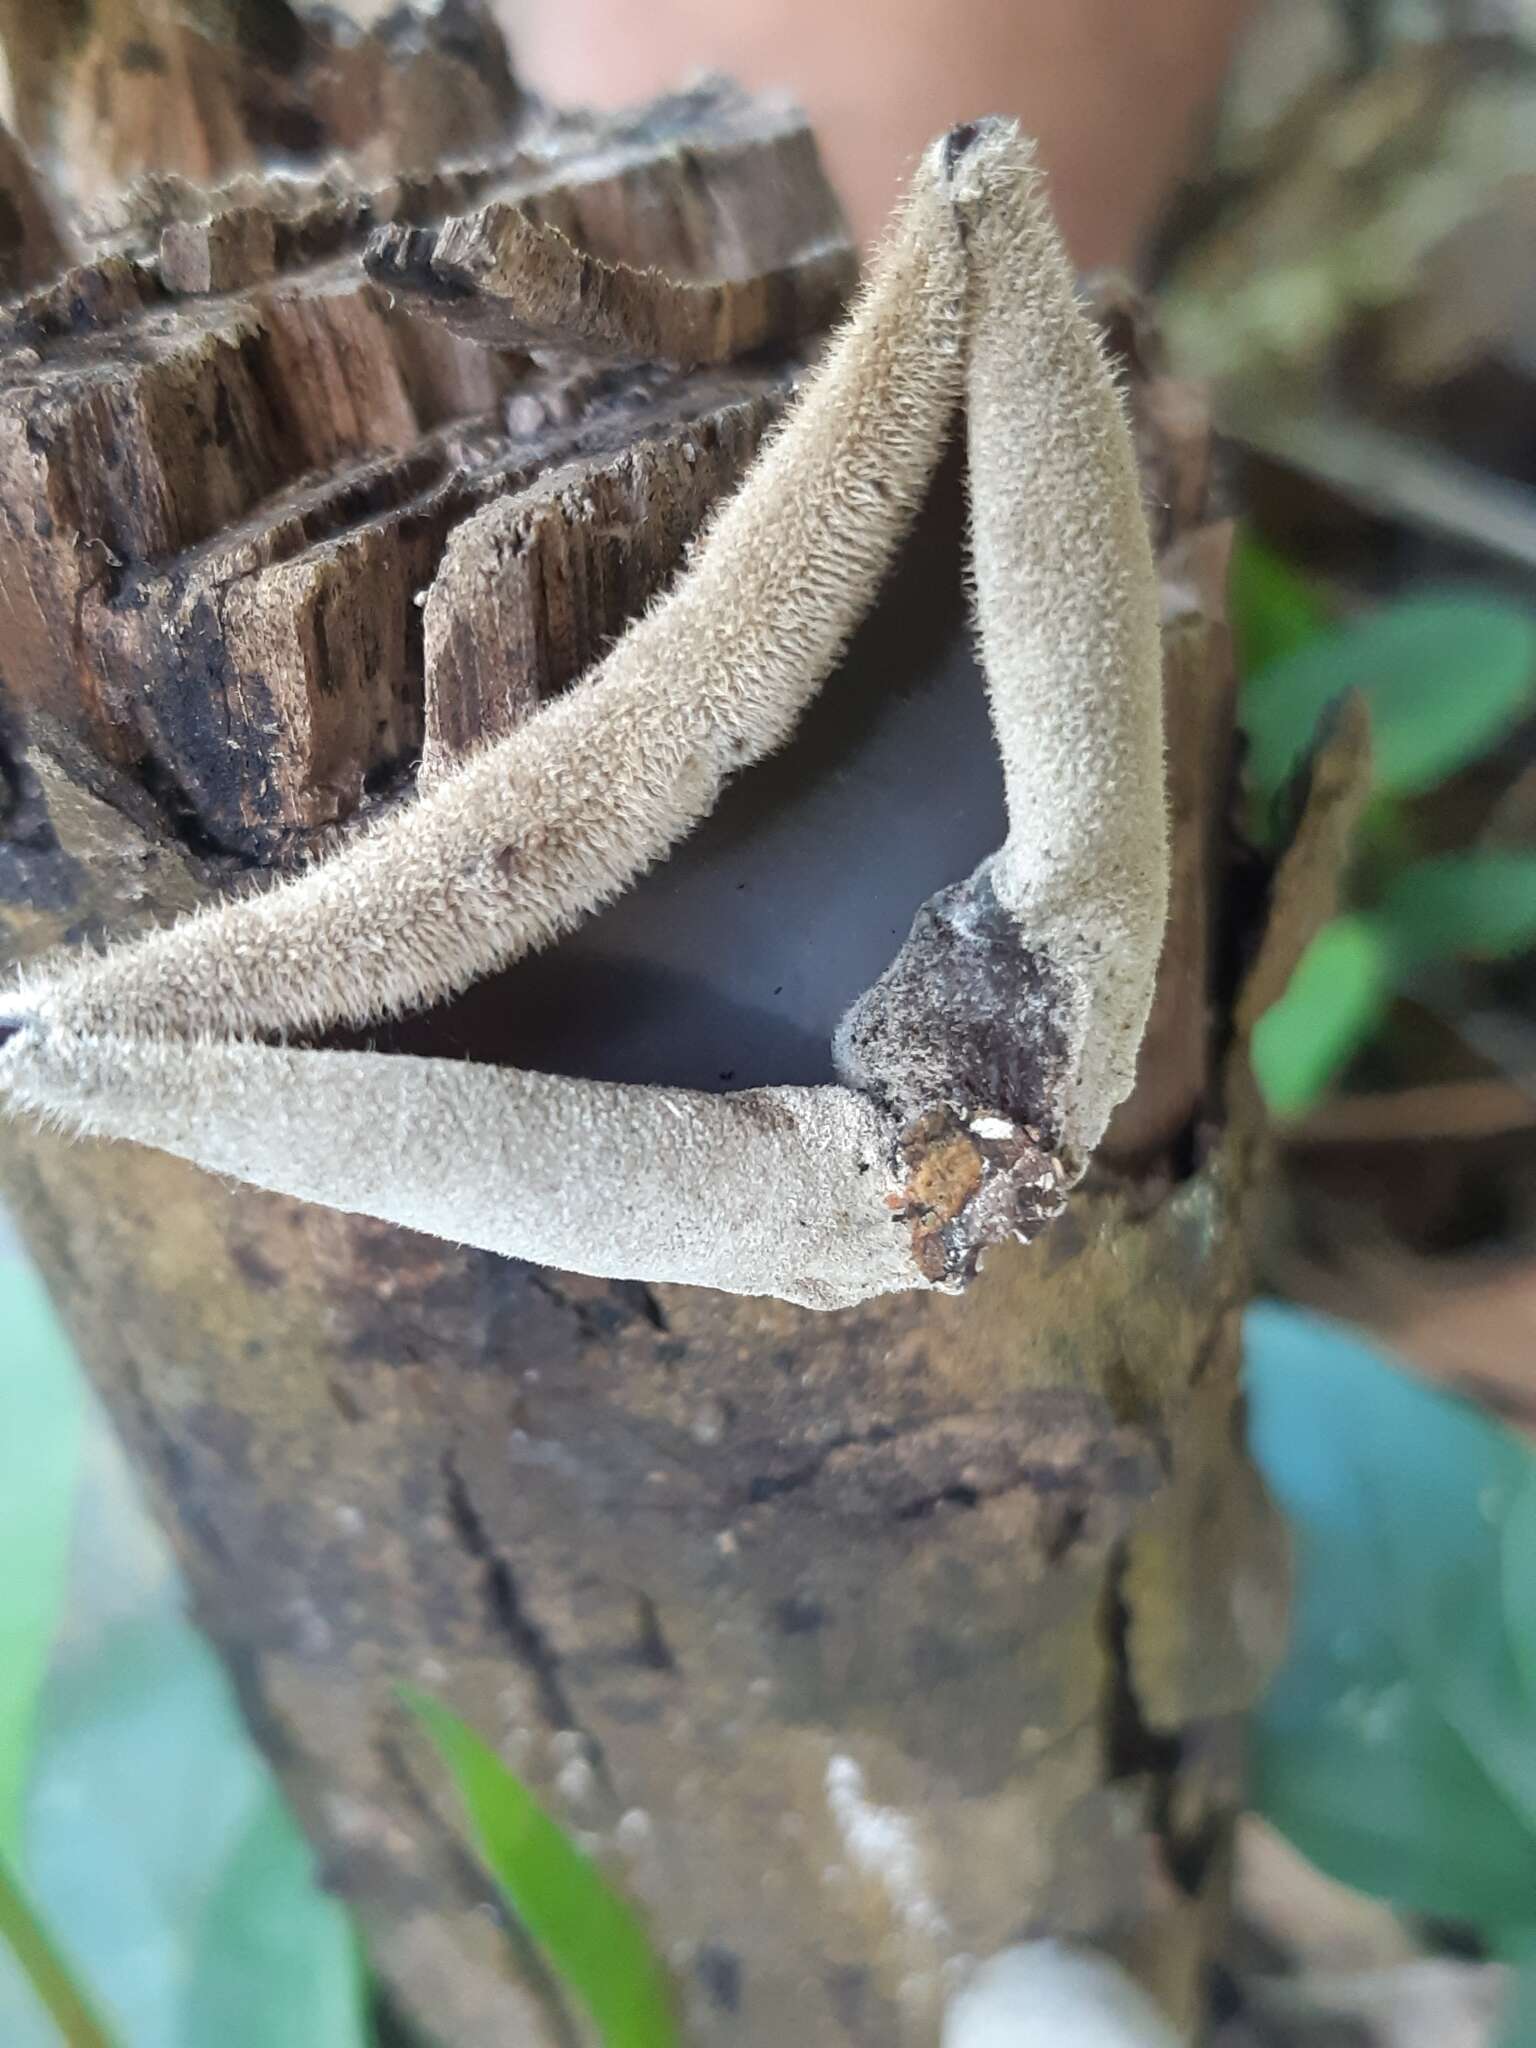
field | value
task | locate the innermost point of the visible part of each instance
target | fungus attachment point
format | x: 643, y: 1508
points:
x: 980, y: 1069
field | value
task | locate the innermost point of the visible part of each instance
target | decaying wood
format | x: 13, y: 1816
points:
x: 34, y: 244
x: 504, y: 279
x: 542, y: 267
x: 1173, y: 434
x: 1311, y: 870
x: 530, y: 590
x: 190, y: 479
x: 107, y: 89
x: 852, y: 1643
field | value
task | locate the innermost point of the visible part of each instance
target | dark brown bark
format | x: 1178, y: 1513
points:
x: 722, y: 1578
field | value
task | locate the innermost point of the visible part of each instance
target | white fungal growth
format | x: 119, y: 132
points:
x: 576, y: 1781
x: 883, y: 1844
x: 990, y: 1127
x: 800, y: 1193
x: 1048, y: 1994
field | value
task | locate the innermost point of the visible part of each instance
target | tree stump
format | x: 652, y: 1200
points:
x: 855, y: 1645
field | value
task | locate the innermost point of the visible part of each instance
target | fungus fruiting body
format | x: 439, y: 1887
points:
x: 981, y: 1068
x: 1048, y: 1994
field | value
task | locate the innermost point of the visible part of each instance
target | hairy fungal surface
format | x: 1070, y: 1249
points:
x: 984, y: 1063
x: 768, y: 1191
x: 1067, y: 609
x: 1066, y: 922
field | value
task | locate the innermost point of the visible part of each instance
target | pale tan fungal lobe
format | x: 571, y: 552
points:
x: 1025, y: 991
x: 1068, y: 609
x: 769, y: 1191
x: 983, y: 1064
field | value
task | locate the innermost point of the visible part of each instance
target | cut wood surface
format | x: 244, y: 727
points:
x: 853, y: 1644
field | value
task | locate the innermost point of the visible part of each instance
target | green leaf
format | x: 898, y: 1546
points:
x: 1519, y: 2027
x: 1465, y: 905
x: 150, y: 1837
x: 1445, y: 678
x: 589, y: 1935
x: 1335, y: 1001
x: 1397, y: 1747
x: 272, y: 1958
x: 1395, y: 1806
x: 40, y: 1429
x: 1517, y: 1579
x: 1462, y: 905
x: 47, y: 1975
x: 153, y: 1837
x: 1274, y: 611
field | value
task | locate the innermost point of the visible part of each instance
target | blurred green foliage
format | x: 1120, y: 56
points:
x: 1337, y: 998
x: 55, y: 1990
x: 1467, y: 906
x: 1397, y: 1748
x: 587, y: 1933
x: 154, y: 1890
x: 149, y: 1850
x: 1274, y: 611
x: 40, y: 1437
x: 1446, y: 678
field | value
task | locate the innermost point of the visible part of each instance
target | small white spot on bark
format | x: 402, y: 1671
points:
x: 991, y: 1127
x: 575, y: 1781
x: 635, y: 1830
x: 313, y: 1634
x: 708, y: 1424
